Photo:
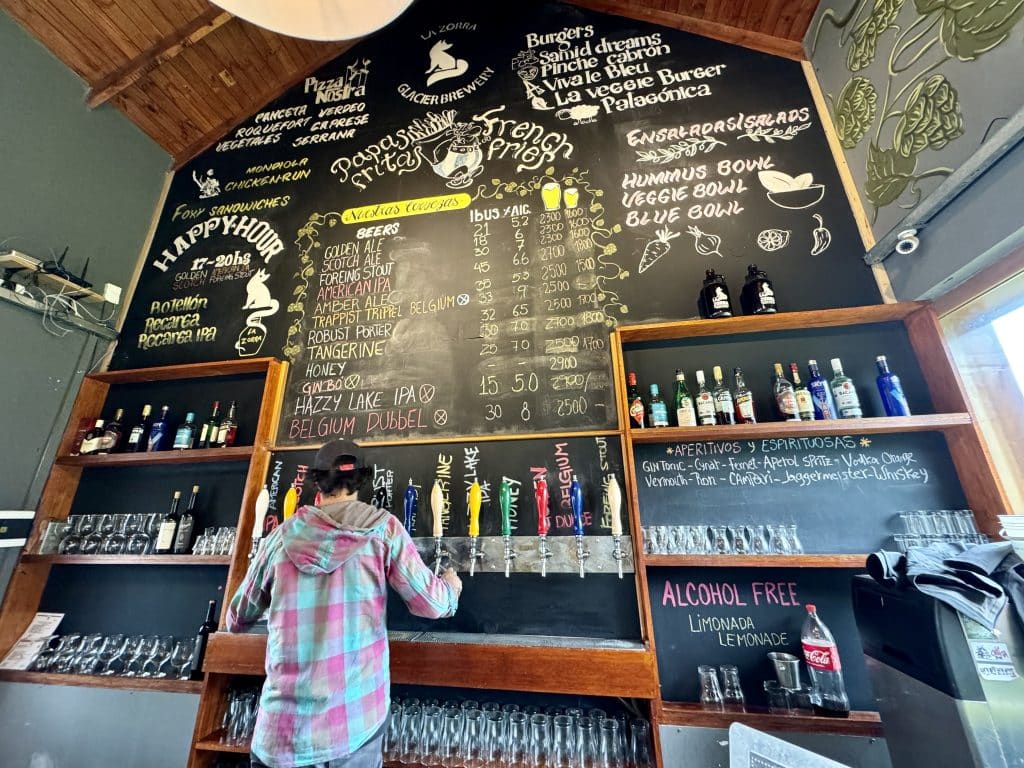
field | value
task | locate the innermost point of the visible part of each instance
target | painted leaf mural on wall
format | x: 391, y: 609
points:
x: 911, y: 109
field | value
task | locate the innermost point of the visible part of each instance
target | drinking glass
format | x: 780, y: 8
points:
x: 623, y: 721
x: 539, y: 740
x: 393, y: 738
x: 140, y: 653
x: 965, y: 521
x: 46, y: 657
x: 473, y: 738
x: 494, y: 737
x: 732, y: 691
x: 758, y: 540
x: 563, y: 743
x: 94, y: 538
x: 412, y: 734
x: 597, y: 715
x: 225, y: 541
x: 71, y: 544
x: 778, y: 697
x: 779, y: 541
x: 676, y: 540
x: 659, y: 539
x: 586, y: 742
x: 53, y: 536
x: 157, y: 664
x: 469, y: 704
x: 138, y: 540
x: 795, y: 545
x: 641, y: 753
x: 433, y: 731
x: 518, y: 753
x: 609, y: 746
x: 696, y: 540
x: 180, y: 662
x: 88, y: 654
x: 66, y: 654
x: 939, y: 523
x: 720, y: 541
x: 740, y: 545
x: 710, y: 693
x: 115, y: 541
x: 153, y: 521
x: 490, y: 706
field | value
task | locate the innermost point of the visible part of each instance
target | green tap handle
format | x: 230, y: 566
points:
x: 505, y: 500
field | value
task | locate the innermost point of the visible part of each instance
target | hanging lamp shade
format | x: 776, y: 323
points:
x: 318, y: 19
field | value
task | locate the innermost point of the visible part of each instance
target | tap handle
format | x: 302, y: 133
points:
x: 615, y: 505
x: 576, y: 500
x: 475, y: 497
x: 437, y: 507
x: 505, y: 500
x: 540, y: 495
x: 410, y: 507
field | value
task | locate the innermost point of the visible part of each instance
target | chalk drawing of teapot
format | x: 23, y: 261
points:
x: 455, y: 154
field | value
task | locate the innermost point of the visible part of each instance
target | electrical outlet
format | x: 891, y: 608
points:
x: 112, y: 293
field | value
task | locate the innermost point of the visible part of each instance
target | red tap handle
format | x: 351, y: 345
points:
x: 540, y: 495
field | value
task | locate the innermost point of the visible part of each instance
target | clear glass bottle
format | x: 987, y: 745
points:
x: 686, y: 416
x: 844, y: 392
x: 725, y: 410
x: 657, y: 411
x: 743, y: 399
x: 784, y: 396
x: 804, y: 402
x: 185, y: 437
x: 704, y: 403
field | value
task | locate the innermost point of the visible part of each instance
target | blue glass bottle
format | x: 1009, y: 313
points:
x: 821, y: 393
x: 159, y: 432
x: 891, y: 390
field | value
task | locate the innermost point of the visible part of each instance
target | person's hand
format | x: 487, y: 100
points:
x: 452, y: 578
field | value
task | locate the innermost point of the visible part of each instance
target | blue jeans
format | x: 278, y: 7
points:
x: 370, y: 755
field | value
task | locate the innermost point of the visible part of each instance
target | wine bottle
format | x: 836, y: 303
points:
x: 208, y: 627
x: 160, y: 431
x: 657, y: 409
x: 804, y: 402
x: 725, y: 410
x: 705, y: 403
x: 183, y: 538
x: 139, y: 433
x: 185, y: 437
x: 891, y: 390
x: 93, y: 442
x: 784, y: 395
x: 637, y: 411
x: 686, y: 416
x: 168, y: 528
x: 743, y: 399
x: 845, y: 393
x: 113, y: 432
x: 211, y: 428
x: 228, y: 428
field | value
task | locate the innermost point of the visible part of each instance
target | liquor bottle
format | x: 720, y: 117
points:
x: 139, y: 434
x: 185, y: 437
x: 891, y: 390
x: 637, y: 411
x: 113, y: 432
x: 183, y: 538
x: 784, y: 396
x: 228, y: 428
x: 686, y: 416
x: 804, y: 403
x: 202, y: 638
x: 743, y: 399
x: 847, y: 402
x: 758, y: 295
x: 211, y: 428
x: 160, y: 431
x: 714, y: 296
x: 84, y: 426
x: 168, y: 528
x: 725, y: 411
x: 822, y: 658
x: 821, y: 393
x: 93, y: 442
x: 705, y: 403
x: 656, y: 408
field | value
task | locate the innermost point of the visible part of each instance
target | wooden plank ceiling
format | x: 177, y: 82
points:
x: 186, y: 72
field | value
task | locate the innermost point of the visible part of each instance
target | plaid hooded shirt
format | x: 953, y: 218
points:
x: 323, y: 575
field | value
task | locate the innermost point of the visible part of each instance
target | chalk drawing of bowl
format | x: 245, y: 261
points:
x: 795, y: 199
x: 460, y: 168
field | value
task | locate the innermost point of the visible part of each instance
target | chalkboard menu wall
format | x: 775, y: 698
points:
x: 439, y: 228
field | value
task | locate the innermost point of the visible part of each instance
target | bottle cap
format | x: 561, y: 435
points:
x: 778, y: 369
x: 190, y: 416
x: 836, y: 363
x: 880, y: 359
x: 812, y: 362
x: 699, y: 375
x: 717, y: 371
x: 811, y: 608
x: 654, y: 389
x: 177, y: 494
x: 680, y: 376
x: 631, y: 378
x: 99, y: 422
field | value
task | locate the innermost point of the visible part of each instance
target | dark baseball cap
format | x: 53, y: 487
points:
x: 342, y: 455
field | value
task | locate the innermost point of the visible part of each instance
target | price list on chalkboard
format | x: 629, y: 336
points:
x: 494, y: 314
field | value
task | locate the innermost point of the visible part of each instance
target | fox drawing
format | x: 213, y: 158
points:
x: 443, y: 65
x: 258, y: 293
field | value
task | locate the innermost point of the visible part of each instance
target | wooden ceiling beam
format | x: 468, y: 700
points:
x: 165, y: 50
x: 758, y: 41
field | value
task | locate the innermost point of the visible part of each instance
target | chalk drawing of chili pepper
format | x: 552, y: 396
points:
x: 655, y: 249
x: 706, y: 245
x: 822, y: 237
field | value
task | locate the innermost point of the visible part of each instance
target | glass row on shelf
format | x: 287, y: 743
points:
x: 143, y: 656
x: 704, y: 539
x: 131, y: 534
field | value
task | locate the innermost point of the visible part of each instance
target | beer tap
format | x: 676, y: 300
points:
x: 540, y: 496
x: 437, y: 507
x: 615, y: 508
x: 505, y: 499
x: 410, y: 507
x: 474, y: 499
x: 576, y: 500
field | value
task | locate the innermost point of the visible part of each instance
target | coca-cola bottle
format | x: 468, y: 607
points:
x: 822, y: 657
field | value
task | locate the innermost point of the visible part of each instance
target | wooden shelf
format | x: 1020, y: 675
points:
x: 783, y: 321
x: 97, y: 681
x: 212, y: 743
x: 187, y: 371
x: 128, y: 559
x: 194, y: 456
x: 857, y: 724
x: 757, y: 561
x: 935, y: 422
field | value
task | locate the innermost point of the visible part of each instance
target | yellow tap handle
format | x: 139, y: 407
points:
x: 291, y: 500
x: 474, y: 501
x: 437, y: 507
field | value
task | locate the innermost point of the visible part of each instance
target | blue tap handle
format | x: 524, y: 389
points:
x: 410, y: 507
x: 576, y: 499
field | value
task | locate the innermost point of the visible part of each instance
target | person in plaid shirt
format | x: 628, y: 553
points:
x: 322, y: 577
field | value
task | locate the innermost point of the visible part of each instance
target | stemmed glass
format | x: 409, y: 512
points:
x: 112, y: 656
x: 152, y: 530
x: 138, y: 540
x: 94, y: 538
x: 140, y: 650
x: 181, y: 659
x: 156, y: 663
x: 71, y: 544
x: 114, y: 542
x: 46, y: 658
x: 88, y: 652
